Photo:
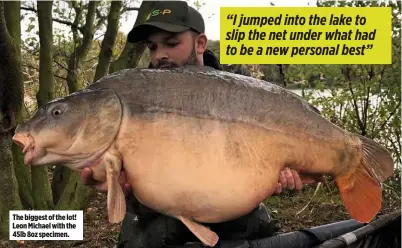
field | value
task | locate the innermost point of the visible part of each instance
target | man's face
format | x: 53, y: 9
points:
x: 172, y: 50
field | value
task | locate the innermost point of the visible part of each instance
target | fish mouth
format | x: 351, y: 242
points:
x: 27, y: 143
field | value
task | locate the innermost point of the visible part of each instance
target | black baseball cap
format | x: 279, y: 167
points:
x: 171, y: 16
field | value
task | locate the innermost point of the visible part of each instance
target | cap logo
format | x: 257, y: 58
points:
x: 157, y: 12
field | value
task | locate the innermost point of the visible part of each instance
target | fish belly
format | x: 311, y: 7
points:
x: 209, y: 170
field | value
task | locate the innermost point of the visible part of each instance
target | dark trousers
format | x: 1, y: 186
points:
x: 144, y: 228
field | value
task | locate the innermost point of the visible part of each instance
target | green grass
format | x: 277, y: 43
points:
x: 297, y: 210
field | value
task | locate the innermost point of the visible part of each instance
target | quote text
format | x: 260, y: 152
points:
x: 337, y: 35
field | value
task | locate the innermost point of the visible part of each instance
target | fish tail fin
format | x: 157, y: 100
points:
x: 360, y: 188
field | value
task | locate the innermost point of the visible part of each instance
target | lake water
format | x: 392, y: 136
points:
x: 297, y: 91
x: 374, y: 101
x: 326, y: 93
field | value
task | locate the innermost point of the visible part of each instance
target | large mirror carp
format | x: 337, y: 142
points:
x: 201, y: 145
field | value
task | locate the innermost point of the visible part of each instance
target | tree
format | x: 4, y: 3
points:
x: 132, y: 53
x: 109, y: 40
x: 10, y: 106
x: 42, y: 192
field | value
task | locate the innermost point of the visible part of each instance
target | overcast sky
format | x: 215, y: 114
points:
x: 210, y: 12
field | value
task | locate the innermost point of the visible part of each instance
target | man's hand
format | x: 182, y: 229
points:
x: 289, y: 179
x: 86, y: 178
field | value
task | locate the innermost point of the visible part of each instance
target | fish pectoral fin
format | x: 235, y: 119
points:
x: 116, y: 202
x: 206, y: 236
x: 361, y: 194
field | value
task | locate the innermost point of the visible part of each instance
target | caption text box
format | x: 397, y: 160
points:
x: 46, y: 225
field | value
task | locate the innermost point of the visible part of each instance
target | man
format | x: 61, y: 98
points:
x: 175, y: 36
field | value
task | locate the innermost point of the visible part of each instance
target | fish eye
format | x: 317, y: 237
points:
x: 56, y: 112
x: 57, y: 108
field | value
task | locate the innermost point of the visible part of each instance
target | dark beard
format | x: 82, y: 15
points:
x: 191, y: 60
